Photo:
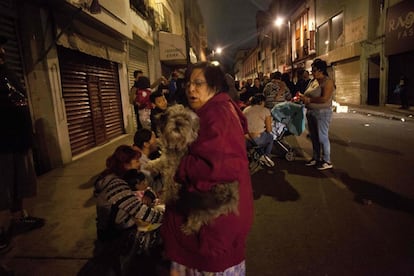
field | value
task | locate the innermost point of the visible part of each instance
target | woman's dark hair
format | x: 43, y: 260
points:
x: 321, y: 65
x: 285, y: 77
x: 122, y: 155
x: 143, y: 83
x: 155, y: 95
x: 257, y: 99
x: 141, y: 136
x: 213, y: 73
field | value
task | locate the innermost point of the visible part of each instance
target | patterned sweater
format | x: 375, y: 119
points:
x: 118, y: 207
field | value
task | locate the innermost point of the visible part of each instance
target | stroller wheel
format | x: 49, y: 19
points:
x: 290, y: 156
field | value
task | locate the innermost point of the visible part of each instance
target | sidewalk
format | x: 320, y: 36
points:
x: 66, y: 201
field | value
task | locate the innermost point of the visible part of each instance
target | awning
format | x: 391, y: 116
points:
x: 172, y: 48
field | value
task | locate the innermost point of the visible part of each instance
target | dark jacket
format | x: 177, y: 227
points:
x: 15, y: 121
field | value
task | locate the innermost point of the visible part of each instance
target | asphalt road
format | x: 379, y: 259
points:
x: 356, y: 219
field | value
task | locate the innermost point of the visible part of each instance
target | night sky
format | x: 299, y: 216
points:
x: 231, y: 24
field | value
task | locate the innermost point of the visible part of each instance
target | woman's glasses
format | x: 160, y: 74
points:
x: 196, y: 83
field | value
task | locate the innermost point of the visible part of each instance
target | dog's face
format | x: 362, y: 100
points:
x: 178, y: 127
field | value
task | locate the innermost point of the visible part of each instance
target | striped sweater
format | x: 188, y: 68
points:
x: 112, y: 191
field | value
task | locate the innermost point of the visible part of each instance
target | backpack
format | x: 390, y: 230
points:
x: 142, y: 99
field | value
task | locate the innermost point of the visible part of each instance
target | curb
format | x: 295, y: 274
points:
x: 387, y: 112
x: 398, y: 117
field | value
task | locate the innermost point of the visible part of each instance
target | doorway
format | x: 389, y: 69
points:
x: 373, y: 80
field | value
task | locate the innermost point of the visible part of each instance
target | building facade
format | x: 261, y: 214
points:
x: 368, y: 45
x: 76, y: 60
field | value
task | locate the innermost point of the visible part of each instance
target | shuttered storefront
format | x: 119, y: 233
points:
x: 347, y: 80
x: 8, y: 15
x: 138, y: 60
x: 90, y: 88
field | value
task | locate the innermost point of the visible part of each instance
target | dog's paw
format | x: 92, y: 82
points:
x: 153, y: 166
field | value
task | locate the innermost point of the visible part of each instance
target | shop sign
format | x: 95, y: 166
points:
x: 172, y: 47
x: 399, y: 32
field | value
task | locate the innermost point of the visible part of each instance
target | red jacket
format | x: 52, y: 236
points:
x: 217, y: 156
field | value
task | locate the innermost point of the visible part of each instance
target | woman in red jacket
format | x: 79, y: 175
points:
x: 217, y: 157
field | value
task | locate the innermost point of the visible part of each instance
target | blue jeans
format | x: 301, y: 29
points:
x: 318, y: 126
x: 265, y: 141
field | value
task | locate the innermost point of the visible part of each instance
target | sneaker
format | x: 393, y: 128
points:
x: 311, y: 162
x: 26, y: 223
x: 265, y: 160
x: 270, y: 161
x: 324, y: 166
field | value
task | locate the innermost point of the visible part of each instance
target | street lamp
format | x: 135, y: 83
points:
x: 218, y: 51
x: 278, y: 23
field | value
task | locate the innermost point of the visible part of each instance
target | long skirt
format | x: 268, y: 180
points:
x: 17, y: 178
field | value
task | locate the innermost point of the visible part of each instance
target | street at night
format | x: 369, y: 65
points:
x: 356, y: 219
x: 128, y: 130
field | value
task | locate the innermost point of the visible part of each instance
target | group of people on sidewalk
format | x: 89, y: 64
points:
x: 212, y: 176
x: 217, y: 158
x: 213, y: 182
x: 315, y: 94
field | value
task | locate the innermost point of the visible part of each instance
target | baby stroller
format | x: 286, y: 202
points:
x: 288, y: 119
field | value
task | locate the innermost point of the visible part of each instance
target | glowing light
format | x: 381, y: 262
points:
x: 279, y: 21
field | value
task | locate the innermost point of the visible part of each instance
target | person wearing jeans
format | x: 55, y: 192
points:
x: 318, y: 126
x: 318, y: 101
x: 260, y: 127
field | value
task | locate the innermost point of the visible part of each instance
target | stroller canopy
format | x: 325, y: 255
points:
x: 290, y: 114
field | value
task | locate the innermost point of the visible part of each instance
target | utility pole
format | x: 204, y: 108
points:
x: 187, y: 39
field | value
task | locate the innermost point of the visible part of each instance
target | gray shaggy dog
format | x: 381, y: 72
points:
x: 177, y: 128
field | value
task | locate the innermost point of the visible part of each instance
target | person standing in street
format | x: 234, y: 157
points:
x: 133, y: 95
x: 303, y: 81
x: 275, y: 91
x: 318, y: 102
x: 17, y: 174
x: 216, y: 171
x: 402, y: 89
x: 172, y: 88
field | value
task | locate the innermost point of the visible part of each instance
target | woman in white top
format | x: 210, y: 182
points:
x: 259, y: 122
